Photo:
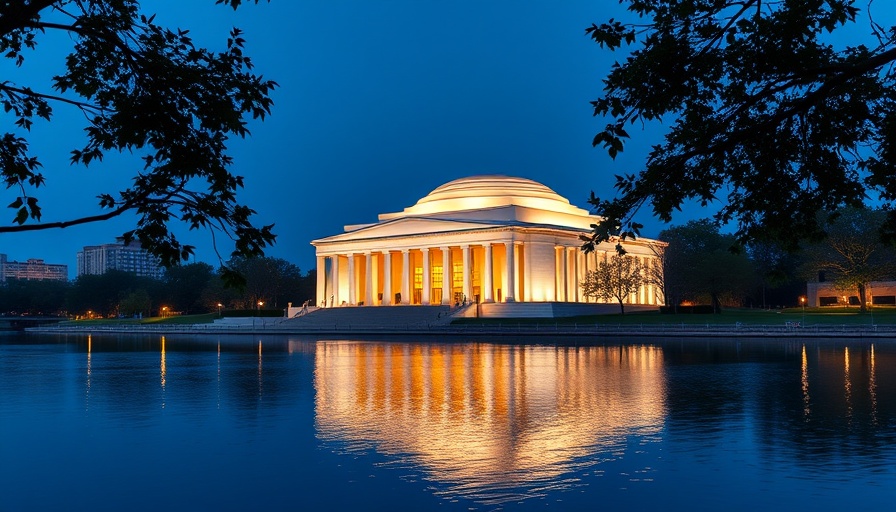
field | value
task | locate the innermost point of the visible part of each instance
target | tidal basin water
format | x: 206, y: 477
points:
x: 295, y: 423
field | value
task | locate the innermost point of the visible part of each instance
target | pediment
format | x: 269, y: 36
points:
x: 408, y: 226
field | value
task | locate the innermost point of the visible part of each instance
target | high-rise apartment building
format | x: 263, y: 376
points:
x: 32, y: 270
x: 98, y: 259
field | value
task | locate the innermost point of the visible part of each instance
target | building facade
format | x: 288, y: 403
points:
x: 33, y: 270
x: 478, y: 239
x: 98, y: 259
x: 877, y: 293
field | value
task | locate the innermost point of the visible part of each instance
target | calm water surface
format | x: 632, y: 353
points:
x: 293, y: 423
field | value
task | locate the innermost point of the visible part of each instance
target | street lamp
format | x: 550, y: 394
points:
x: 803, y: 303
x: 260, y: 303
x: 219, y: 309
x: 164, y: 311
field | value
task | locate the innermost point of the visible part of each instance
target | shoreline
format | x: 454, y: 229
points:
x: 876, y: 332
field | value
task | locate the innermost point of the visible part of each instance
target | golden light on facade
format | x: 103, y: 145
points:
x: 488, y: 238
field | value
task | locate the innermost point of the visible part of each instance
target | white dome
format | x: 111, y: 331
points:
x: 491, y: 191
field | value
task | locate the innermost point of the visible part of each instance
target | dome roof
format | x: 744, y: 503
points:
x: 491, y: 191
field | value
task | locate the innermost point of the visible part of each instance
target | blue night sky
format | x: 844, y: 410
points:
x: 379, y: 103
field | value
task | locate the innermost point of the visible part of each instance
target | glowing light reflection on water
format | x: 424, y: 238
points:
x: 493, y: 424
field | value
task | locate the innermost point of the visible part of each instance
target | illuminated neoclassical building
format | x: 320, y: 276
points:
x: 482, y: 238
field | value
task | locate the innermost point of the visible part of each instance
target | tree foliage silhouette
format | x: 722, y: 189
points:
x: 615, y: 279
x: 769, y: 115
x: 144, y: 89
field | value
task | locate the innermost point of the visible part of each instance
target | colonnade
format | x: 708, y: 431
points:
x: 573, y: 264
x: 428, y: 275
x: 504, y: 271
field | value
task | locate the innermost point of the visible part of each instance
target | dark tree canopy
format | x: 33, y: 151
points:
x: 769, y: 117
x: 701, y: 268
x: 273, y: 281
x: 143, y: 89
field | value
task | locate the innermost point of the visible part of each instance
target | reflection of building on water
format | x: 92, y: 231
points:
x: 484, y: 417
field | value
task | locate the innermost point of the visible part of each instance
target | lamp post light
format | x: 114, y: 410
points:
x: 260, y: 303
x: 219, y: 309
x: 803, y: 303
x: 164, y: 311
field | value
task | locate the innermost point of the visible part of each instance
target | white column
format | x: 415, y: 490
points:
x: 368, y: 279
x: 387, y: 278
x: 352, y: 280
x: 588, y: 268
x: 375, y: 276
x: 571, y: 296
x: 468, y: 274
x: 580, y: 274
x: 334, y: 292
x: 427, y: 278
x: 527, y: 272
x: 564, y: 275
x: 645, y: 292
x: 510, y: 272
x: 321, y: 280
x: 487, y: 282
x: 405, y: 270
x: 558, y: 274
x: 447, y: 275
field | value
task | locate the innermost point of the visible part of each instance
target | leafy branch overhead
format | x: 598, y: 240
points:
x: 143, y: 89
x: 767, y: 116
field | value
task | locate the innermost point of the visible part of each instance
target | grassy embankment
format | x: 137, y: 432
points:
x: 181, y: 319
x: 811, y: 316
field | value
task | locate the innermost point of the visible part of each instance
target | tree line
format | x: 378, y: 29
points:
x: 703, y: 266
x: 185, y: 289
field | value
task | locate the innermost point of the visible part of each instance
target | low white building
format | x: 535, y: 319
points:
x: 478, y: 239
x: 878, y: 293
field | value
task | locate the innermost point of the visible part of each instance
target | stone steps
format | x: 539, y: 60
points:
x: 353, y: 317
